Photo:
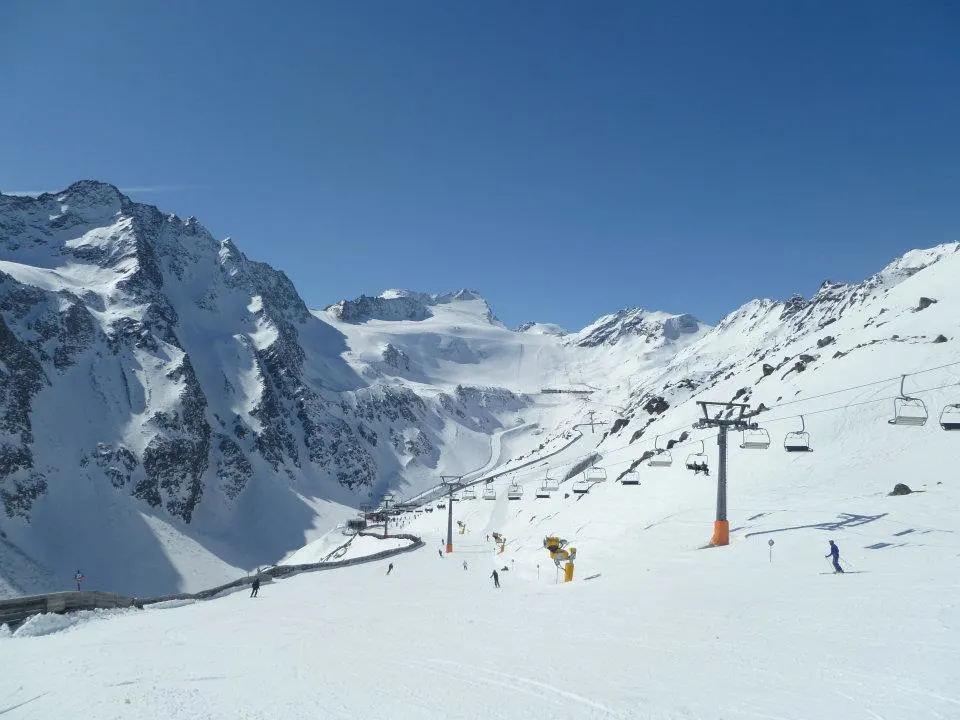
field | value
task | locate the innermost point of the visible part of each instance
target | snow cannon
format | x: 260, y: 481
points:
x: 561, y: 555
x: 501, y: 541
x: 462, y: 525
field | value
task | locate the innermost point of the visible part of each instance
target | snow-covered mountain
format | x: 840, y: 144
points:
x: 171, y: 410
x: 163, y: 395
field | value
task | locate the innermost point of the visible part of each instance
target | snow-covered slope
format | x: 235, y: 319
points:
x: 172, y: 413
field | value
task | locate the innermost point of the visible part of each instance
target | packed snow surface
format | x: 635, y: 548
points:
x: 667, y: 630
x: 322, y: 550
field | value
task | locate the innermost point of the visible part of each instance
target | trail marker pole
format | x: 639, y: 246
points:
x: 770, y: 543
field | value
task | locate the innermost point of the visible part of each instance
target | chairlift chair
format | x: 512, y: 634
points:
x: 908, y: 410
x: 755, y: 439
x: 514, y: 492
x: 950, y: 417
x: 797, y: 440
x: 581, y: 487
x: 663, y: 457
x: 543, y: 492
x: 630, y: 478
x: 489, y: 493
x: 697, y: 458
x: 469, y: 494
x: 595, y: 474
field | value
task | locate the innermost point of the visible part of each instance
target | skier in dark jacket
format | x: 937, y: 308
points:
x: 255, y: 588
x: 389, y: 568
x: 496, y: 579
x: 440, y: 552
x: 835, y: 554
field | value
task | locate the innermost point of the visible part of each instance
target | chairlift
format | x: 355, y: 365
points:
x: 355, y: 525
x: 908, y: 410
x: 489, y: 493
x: 514, y: 492
x: 630, y: 478
x: 469, y: 494
x: 950, y: 417
x: 551, y: 484
x: 697, y: 459
x: 581, y: 487
x: 797, y: 440
x: 543, y: 492
x: 595, y: 474
x: 663, y: 457
x: 756, y: 438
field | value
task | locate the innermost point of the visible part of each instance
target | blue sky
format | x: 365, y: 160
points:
x: 565, y: 158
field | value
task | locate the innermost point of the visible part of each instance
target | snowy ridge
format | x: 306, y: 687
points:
x: 171, y: 409
x: 173, y: 413
x: 654, y: 624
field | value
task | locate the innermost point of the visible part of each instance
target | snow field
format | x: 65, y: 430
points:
x: 669, y: 631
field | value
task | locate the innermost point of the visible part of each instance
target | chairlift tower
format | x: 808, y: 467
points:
x: 385, y: 503
x: 593, y: 422
x: 453, y: 482
x: 738, y: 420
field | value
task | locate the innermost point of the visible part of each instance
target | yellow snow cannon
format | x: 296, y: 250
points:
x: 561, y: 555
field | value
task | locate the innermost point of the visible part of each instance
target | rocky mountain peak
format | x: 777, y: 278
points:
x: 405, y: 305
x: 651, y: 327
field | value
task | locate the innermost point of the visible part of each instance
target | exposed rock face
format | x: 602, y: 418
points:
x: 190, y: 370
x: 653, y: 328
x: 400, y: 305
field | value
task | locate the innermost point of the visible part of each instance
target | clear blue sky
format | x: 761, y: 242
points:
x: 565, y: 158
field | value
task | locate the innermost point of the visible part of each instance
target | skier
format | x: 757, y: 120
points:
x: 496, y: 579
x: 255, y: 587
x: 440, y: 552
x: 464, y: 564
x: 389, y: 568
x: 835, y: 554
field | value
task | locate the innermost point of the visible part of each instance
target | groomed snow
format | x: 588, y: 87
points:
x: 359, y: 546
x: 666, y: 631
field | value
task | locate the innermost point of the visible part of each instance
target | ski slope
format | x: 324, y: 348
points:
x: 655, y: 624
x: 667, y: 630
x: 387, y: 394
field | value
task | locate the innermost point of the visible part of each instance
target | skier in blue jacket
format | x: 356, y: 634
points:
x: 835, y: 554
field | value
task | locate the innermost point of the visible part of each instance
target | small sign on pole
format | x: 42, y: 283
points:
x: 79, y: 578
x: 770, y: 543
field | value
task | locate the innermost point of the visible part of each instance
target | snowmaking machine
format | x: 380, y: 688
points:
x: 561, y: 555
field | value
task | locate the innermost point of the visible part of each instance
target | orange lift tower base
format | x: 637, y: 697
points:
x: 725, y: 419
